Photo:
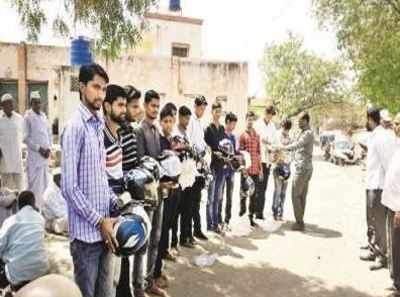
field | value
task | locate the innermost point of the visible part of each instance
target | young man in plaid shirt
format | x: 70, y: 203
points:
x: 250, y: 142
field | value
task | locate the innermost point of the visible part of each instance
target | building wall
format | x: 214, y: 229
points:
x: 178, y: 80
x: 9, y: 64
x: 162, y: 34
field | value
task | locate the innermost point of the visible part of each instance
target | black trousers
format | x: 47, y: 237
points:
x: 190, y: 211
x: 123, y: 287
x: 3, y: 278
x: 253, y: 198
x: 262, y: 188
x: 196, y: 193
x: 170, y: 215
x: 393, y: 236
x: 187, y: 201
x: 376, y: 220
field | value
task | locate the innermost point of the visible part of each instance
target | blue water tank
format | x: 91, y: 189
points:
x: 80, y: 53
x: 174, y: 5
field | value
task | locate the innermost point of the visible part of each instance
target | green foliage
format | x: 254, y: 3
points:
x: 117, y: 24
x: 368, y: 33
x: 298, y: 80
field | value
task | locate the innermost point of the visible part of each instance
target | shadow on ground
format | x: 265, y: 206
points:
x: 314, y: 231
x: 250, y: 281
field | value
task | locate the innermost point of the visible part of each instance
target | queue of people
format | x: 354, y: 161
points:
x: 105, y: 143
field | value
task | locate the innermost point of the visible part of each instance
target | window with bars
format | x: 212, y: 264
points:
x: 180, y: 50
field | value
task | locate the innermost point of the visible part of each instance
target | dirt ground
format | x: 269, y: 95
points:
x: 274, y: 261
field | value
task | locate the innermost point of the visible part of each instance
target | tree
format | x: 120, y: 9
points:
x: 117, y: 24
x: 368, y: 33
x: 298, y: 80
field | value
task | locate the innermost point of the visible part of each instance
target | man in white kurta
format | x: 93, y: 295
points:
x: 38, y: 139
x: 11, y: 129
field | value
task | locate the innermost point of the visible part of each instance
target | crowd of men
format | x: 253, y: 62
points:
x: 382, y: 194
x: 112, y: 130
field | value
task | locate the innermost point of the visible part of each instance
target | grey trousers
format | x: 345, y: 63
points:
x: 393, y: 237
x: 154, y: 241
x: 150, y: 250
x: 301, y: 179
x: 376, y: 219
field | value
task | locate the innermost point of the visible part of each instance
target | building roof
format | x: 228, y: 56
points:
x: 174, y: 18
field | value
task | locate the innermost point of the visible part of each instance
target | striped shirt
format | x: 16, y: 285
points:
x: 113, y: 161
x: 84, y: 178
x: 129, y: 148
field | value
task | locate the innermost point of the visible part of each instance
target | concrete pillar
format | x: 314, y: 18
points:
x: 22, y: 77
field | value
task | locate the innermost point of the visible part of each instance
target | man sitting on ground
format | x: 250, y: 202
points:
x: 55, y: 207
x: 22, y: 252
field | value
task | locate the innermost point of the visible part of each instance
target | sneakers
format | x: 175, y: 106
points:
x: 161, y: 283
x: 380, y: 263
x: 298, y: 227
x: 369, y: 257
x: 200, y: 235
x: 252, y: 222
x: 169, y: 257
x: 176, y: 251
x: 187, y: 244
x: 139, y: 292
x: 155, y: 290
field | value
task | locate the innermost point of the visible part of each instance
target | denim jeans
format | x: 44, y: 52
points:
x: 228, y: 185
x: 214, y: 198
x: 279, y: 195
x: 94, y: 268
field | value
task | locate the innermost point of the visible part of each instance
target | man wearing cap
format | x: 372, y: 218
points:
x: 38, y: 139
x: 269, y: 137
x: 386, y: 119
x: 54, y: 208
x: 11, y: 127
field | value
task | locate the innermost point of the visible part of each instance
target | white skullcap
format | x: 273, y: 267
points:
x: 35, y: 95
x: 385, y: 115
x: 6, y: 97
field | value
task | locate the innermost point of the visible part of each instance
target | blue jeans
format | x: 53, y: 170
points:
x: 214, y: 198
x: 228, y: 184
x: 94, y: 268
x: 279, y: 195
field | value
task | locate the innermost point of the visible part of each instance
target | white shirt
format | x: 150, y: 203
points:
x: 22, y: 246
x: 11, y: 142
x: 54, y: 206
x: 267, y: 133
x: 391, y: 190
x: 381, y: 147
x: 37, y: 134
x: 195, y: 133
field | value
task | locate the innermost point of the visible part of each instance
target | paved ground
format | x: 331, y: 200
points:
x: 273, y: 261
